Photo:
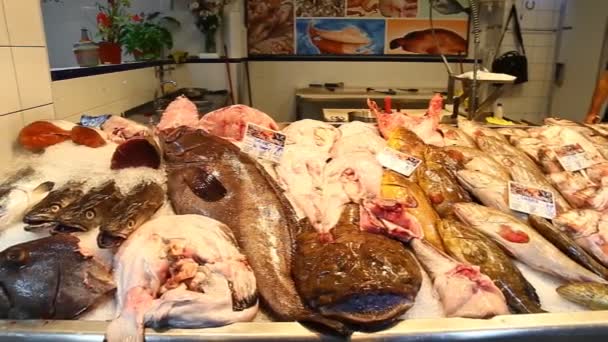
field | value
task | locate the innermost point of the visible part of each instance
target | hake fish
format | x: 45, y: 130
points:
x: 523, y: 242
x: 489, y: 190
x: 592, y: 295
x: 130, y: 213
x: 180, y: 271
x: 210, y: 176
x: 463, y: 290
x: 567, y: 245
x: 89, y: 211
x: 470, y: 246
x: 359, y: 278
x: 43, y: 214
x: 50, y: 278
x: 16, y: 196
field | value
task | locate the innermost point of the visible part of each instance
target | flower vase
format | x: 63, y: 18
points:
x: 109, y: 53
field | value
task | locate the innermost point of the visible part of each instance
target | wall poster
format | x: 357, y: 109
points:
x: 353, y: 27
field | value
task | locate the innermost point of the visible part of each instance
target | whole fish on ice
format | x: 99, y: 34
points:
x: 592, y: 295
x: 181, y: 271
x: 589, y: 228
x: 16, y: 196
x: 44, y: 214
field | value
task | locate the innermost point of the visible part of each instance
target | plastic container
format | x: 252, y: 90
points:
x: 498, y: 111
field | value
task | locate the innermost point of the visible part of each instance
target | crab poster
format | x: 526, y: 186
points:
x: 355, y: 27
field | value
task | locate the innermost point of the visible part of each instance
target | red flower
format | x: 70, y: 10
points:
x: 103, y: 20
x: 137, y: 18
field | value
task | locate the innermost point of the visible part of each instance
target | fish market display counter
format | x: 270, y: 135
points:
x: 590, y: 326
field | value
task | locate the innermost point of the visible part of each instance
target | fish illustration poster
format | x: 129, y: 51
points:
x: 353, y: 27
x: 340, y: 37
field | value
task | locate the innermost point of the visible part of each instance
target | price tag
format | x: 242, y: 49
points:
x: 573, y: 157
x: 263, y: 143
x: 531, y: 200
x: 398, y: 162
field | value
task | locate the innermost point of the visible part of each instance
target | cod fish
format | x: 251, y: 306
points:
x: 589, y: 228
x: 180, y: 271
x: 130, y: 213
x: 463, y: 290
x: 50, y: 278
x: 89, y: 211
x: 43, y: 214
x: 210, y: 176
x: 470, y: 246
x: 402, y: 211
x: 567, y: 245
x: 16, y: 198
x: 440, y: 186
x: 523, y: 242
x: 592, y: 295
x: 360, y: 278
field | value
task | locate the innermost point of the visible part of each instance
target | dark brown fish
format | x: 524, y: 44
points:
x: 210, y: 176
x: 130, y: 213
x: 50, y: 278
x: 422, y: 41
x: 43, y: 214
x: 440, y: 186
x: 89, y: 211
x: 361, y: 278
x: 567, y: 245
x: 469, y: 246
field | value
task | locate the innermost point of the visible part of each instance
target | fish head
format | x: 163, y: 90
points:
x: 469, y: 212
x: 78, y: 217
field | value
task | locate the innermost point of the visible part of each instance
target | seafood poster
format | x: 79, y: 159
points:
x: 353, y: 27
x: 340, y: 37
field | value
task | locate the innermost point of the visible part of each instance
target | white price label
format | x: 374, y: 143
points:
x: 263, y: 143
x: 531, y: 200
x: 398, y: 162
x: 573, y: 157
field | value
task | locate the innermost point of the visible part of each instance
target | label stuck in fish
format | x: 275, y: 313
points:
x: 263, y: 143
x: 531, y: 200
x: 572, y: 157
x: 398, y: 161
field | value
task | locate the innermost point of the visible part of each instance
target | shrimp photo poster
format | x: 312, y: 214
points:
x: 354, y: 27
x: 405, y: 36
x: 340, y: 37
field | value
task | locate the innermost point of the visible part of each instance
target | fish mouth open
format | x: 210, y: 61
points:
x: 41, y: 225
x: 108, y: 240
x: 369, y: 308
x: 69, y: 227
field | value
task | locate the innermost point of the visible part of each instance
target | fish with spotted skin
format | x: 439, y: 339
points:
x: 523, y: 242
x: 43, y: 214
x: 592, y: 295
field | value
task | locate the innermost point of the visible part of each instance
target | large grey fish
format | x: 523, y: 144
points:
x: 567, y: 245
x: 359, y: 278
x: 130, y: 213
x: 470, y: 246
x: 89, y: 212
x: 592, y: 295
x: 523, y: 242
x: 210, y: 176
x: 16, y: 196
x: 50, y: 278
x: 43, y: 214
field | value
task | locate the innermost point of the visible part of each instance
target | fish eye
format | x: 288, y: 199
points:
x: 55, y: 208
x: 16, y: 256
x: 130, y: 224
x: 89, y: 214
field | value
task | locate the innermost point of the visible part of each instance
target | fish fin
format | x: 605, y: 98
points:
x: 206, y: 186
x: 326, y: 325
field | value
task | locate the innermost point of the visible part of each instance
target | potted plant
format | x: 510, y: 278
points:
x: 208, y: 14
x: 145, y: 36
x: 110, y: 20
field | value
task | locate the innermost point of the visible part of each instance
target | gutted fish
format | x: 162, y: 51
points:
x: 130, y: 213
x: 589, y: 228
x: 360, y: 278
x: 440, y: 186
x: 463, y: 290
x: 181, y: 272
x: 90, y: 211
x: 50, y: 278
x: 136, y: 152
x: 44, y: 214
x: 401, y: 211
x: 592, y: 295
x: 523, y: 242
x: 470, y: 246
x: 567, y: 245
x: 210, y: 176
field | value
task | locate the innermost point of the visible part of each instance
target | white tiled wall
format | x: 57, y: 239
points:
x: 530, y: 100
x: 25, y: 85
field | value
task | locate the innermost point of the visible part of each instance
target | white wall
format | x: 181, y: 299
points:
x: 581, y: 52
x: 25, y: 84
